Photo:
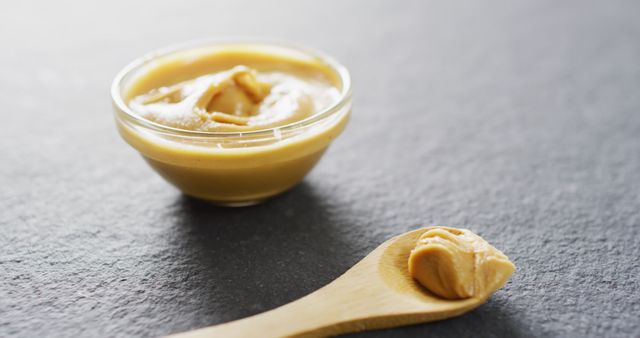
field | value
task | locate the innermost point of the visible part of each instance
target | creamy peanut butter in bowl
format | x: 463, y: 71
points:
x: 233, y: 123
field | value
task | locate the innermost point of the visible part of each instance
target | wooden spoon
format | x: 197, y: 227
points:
x: 376, y: 293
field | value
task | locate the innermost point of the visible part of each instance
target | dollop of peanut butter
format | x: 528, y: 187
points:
x: 458, y: 264
x: 228, y: 97
x: 236, y: 99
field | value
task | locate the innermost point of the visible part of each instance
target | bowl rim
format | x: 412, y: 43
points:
x: 338, y: 68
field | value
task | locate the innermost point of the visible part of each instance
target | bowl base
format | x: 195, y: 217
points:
x: 236, y: 204
x: 228, y: 204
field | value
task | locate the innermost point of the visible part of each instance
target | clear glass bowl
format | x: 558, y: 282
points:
x: 233, y: 168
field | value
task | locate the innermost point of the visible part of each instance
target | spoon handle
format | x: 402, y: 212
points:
x: 375, y: 293
x: 318, y: 314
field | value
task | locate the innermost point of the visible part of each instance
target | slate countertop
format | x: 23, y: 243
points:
x: 517, y: 120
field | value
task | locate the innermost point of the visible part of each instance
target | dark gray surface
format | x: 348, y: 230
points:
x: 518, y: 120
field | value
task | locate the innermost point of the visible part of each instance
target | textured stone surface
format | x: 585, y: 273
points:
x: 518, y: 120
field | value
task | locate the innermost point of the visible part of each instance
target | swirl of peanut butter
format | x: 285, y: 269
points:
x: 458, y: 264
x: 237, y: 99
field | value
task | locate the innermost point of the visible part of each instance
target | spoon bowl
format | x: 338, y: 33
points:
x: 378, y: 292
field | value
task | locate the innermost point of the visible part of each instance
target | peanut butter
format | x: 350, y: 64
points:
x: 458, y: 264
x: 236, y: 99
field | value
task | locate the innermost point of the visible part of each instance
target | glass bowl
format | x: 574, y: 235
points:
x: 233, y: 168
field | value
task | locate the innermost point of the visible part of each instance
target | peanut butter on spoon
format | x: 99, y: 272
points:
x: 458, y: 264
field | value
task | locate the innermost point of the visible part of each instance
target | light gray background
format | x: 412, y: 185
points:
x: 517, y: 119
